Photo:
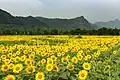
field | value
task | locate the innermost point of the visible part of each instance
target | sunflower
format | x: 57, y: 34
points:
x: 63, y: 60
x: 11, y: 65
x: 31, y: 56
x: 4, y: 51
x: 3, y: 57
x: 43, y: 54
x: 70, y: 67
x: 25, y: 52
x: 14, y: 55
x: 74, y: 60
x: 17, y: 68
x: 28, y: 62
x: 67, y: 58
x: 23, y: 58
x: 89, y: 56
x: 58, y: 54
x: 30, y: 69
x: 83, y: 74
x: 49, y: 67
x: 54, y: 58
x: 29, y: 50
x: 10, y: 77
x: 9, y: 55
x: 87, y: 66
x: 50, y: 61
x: 17, y: 52
x: 80, y: 57
x: 5, y: 67
x: 96, y: 54
x: 7, y: 61
x: 114, y: 52
x: 17, y: 59
x: 40, y: 76
x: 55, y: 68
x: 86, y: 58
x: 43, y: 61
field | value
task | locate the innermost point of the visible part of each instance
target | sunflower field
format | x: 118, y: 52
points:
x: 59, y: 57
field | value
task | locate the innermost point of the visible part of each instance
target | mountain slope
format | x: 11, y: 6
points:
x: 78, y: 22
x: 7, y: 18
x: 74, y: 23
x: 110, y: 24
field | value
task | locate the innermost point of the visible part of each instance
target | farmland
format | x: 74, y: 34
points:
x: 59, y: 57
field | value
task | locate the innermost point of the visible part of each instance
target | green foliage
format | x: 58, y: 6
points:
x: 106, y: 67
x: 10, y: 25
x: 67, y: 24
x: 21, y: 30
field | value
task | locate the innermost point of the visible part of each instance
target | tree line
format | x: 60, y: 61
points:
x: 43, y: 31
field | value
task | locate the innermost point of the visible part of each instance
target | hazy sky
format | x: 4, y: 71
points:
x: 93, y: 10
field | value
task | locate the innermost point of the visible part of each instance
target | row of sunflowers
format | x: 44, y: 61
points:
x: 59, y: 58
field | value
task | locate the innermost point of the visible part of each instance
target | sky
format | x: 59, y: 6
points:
x: 92, y: 10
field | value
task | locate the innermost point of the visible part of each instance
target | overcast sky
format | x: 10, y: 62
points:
x: 93, y: 10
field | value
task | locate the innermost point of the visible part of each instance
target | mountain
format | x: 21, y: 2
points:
x: 74, y: 23
x: 78, y: 22
x: 7, y: 18
x: 110, y: 24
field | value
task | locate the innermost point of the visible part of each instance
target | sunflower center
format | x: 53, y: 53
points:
x: 31, y: 57
x: 82, y: 74
x: 49, y: 67
x: 74, y: 60
x: 11, y: 66
x: 10, y: 78
x: 17, y: 68
x: 5, y: 67
x: 30, y: 69
x: 40, y: 76
x: 86, y: 66
x: 53, y: 58
x: 55, y: 68
x: 70, y: 67
x: 6, y: 61
x: 28, y: 62
x: 50, y: 62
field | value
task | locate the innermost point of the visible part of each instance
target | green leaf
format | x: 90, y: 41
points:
x: 73, y: 78
x: 68, y: 73
x: 1, y: 77
x: 63, y: 75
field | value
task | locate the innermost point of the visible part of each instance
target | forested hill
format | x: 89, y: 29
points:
x: 7, y: 18
x: 74, y: 23
x: 110, y: 24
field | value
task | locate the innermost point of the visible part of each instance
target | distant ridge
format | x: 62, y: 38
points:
x: 56, y: 23
x: 110, y: 24
x: 7, y: 18
x: 78, y: 22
